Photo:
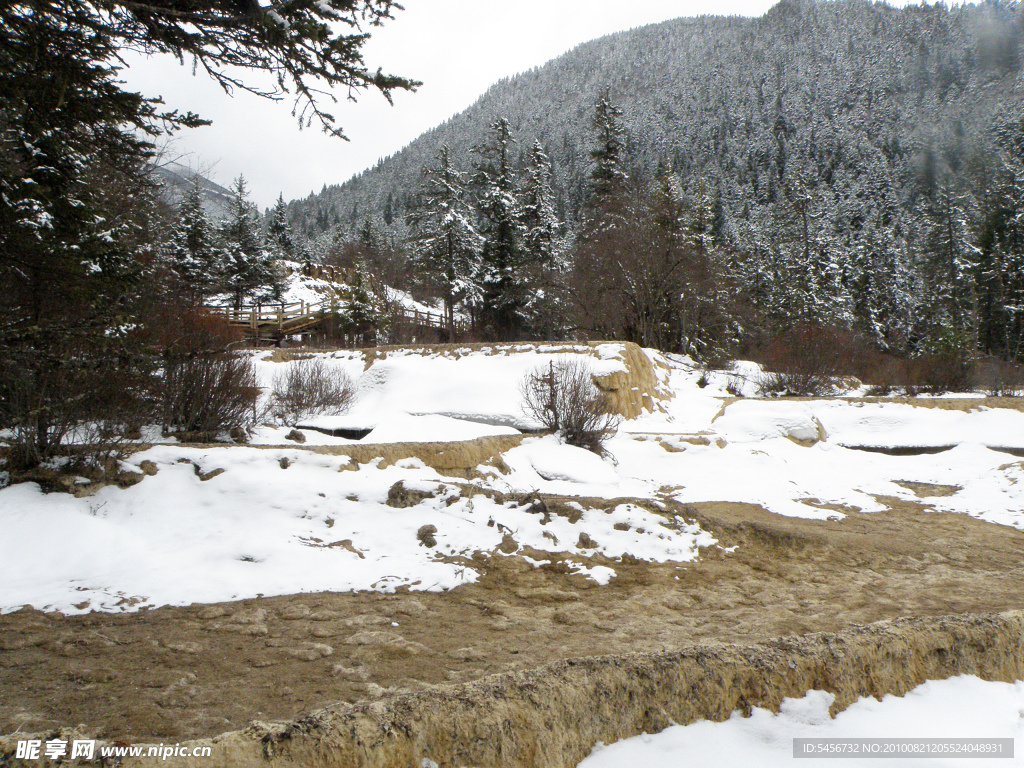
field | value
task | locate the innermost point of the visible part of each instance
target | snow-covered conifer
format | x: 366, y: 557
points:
x: 608, y: 175
x: 280, y: 239
x: 246, y: 269
x: 540, y: 223
x: 544, y: 248
x: 502, y: 275
x: 367, y: 310
x: 193, y: 251
x: 445, y: 246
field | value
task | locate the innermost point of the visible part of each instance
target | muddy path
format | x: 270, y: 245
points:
x: 190, y: 672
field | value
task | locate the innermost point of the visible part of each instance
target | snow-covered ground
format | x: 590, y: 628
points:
x: 478, y: 387
x: 260, y: 528
x: 271, y: 518
x: 958, y: 708
x: 281, y: 519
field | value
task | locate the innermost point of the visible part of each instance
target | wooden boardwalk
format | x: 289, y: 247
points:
x: 279, y: 320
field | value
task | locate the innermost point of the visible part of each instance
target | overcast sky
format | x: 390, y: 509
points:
x: 458, y: 48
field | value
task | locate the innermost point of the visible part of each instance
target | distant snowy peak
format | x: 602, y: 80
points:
x: 176, y: 178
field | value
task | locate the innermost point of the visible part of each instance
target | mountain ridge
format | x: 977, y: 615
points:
x: 656, y: 73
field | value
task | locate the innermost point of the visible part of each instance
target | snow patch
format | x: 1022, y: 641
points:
x: 960, y: 707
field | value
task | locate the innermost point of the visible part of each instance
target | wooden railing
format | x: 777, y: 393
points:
x: 429, y: 319
x: 292, y: 318
x: 280, y: 317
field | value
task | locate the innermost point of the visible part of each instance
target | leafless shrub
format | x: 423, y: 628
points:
x: 809, y: 360
x: 202, y: 387
x: 734, y: 386
x: 206, y: 393
x: 937, y: 373
x: 884, y: 374
x: 796, y: 384
x: 562, y: 396
x: 40, y: 404
x: 309, y: 387
x: 100, y: 443
x: 999, y: 378
x: 879, y: 390
x: 66, y: 400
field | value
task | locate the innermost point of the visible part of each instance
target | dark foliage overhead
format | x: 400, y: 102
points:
x: 311, y: 46
x: 79, y: 219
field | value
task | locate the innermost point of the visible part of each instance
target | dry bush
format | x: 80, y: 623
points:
x: 800, y: 362
x: 203, y: 387
x: 795, y: 384
x: 810, y: 359
x: 734, y: 386
x: 885, y: 374
x: 41, y: 402
x: 207, y: 393
x: 879, y: 390
x: 309, y: 387
x: 121, y: 407
x: 947, y: 366
x: 562, y: 396
x: 191, y: 331
x: 999, y: 378
x: 936, y: 374
x: 70, y: 400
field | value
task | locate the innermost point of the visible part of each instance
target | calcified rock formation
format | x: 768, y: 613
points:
x: 554, y: 715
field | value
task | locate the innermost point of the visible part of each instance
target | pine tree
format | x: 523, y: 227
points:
x: 652, y: 269
x: 608, y: 176
x: 811, y: 276
x: 502, y: 266
x: 367, y: 310
x: 701, y: 214
x: 246, y: 268
x: 540, y: 223
x: 280, y: 240
x: 883, y: 293
x: 949, y: 270
x: 542, y: 246
x: 193, y: 252
x: 445, y: 246
x: 603, y: 243
x: 1000, y: 246
x: 369, y: 238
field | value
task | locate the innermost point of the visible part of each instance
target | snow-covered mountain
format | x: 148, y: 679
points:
x: 860, y: 164
x: 176, y: 178
x: 858, y: 94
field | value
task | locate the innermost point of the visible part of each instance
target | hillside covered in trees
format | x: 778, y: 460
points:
x: 841, y: 163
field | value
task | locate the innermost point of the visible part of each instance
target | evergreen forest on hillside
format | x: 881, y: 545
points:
x: 838, y: 164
